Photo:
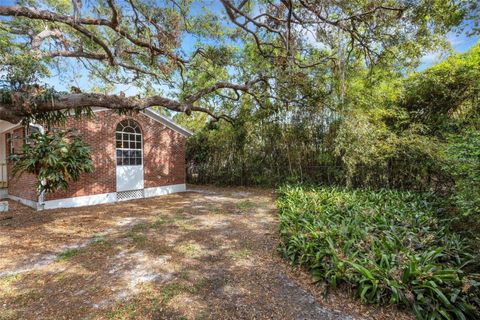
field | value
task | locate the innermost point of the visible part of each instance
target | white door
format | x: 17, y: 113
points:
x: 129, y: 147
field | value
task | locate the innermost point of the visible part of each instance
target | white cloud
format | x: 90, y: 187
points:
x: 456, y: 40
x: 431, y: 58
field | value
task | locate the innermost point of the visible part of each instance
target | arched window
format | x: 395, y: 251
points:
x: 129, y: 143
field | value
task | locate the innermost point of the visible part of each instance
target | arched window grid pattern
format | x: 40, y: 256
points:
x: 129, y: 143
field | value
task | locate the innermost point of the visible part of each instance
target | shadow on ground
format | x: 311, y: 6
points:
x: 205, y: 254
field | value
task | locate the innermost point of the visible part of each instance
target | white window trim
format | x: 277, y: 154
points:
x: 129, y: 149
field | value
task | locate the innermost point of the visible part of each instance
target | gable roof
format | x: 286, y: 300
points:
x: 149, y: 112
x: 155, y: 115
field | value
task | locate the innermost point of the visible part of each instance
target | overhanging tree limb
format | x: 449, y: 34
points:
x: 139, y: 42
x: 22, y: 105
x: 79, y: 25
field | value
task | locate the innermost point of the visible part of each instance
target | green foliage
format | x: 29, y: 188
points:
x: 390, y: 246
x: 384, y: 131
x: 420, y: 133
x: 55, y: 158
x: 265, y: 146
x: 446, y: 95
x: 462, y: 161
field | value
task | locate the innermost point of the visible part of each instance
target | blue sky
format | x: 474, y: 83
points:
x: 78, y: 77
x: 460, y: 43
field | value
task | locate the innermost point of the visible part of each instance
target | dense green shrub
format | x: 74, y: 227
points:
x: 55, y: 158
x: 462, y: 162
x: 389, y: 245
x: 418, y: 132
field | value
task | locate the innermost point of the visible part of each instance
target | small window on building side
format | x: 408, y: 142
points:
x: 9, y: 141
x: 30, y: 130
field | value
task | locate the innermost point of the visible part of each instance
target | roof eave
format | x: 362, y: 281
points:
x: 167, y: 122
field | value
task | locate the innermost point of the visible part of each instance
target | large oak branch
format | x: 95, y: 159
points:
x: 17, y: 110
x: 25, y: 104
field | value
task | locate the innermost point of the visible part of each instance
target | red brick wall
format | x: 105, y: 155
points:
x: 164, y: 154
x: 23, y: 185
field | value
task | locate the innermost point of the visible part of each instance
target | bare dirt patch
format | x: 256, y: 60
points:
x: 206, y: 254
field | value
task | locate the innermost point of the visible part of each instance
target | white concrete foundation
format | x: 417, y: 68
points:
x: 97, y: 198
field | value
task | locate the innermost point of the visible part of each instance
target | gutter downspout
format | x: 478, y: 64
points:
x: 41, y: 197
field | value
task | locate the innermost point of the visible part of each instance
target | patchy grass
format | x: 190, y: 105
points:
x: 180, y: 217
x: 158, y: 221
x: 184, y: 275
x: 140, y: 227
x: 22, y: 297
x: 9, y: 315
x: 184, y: 221
x: 156, y: 270
x: 139, y: 240
x: 241, y: 254
x: 169, y: 291
x: 124, y: 311
x: 7, y: 282
x: 102, y: 244
x: 61, y: 278
x: 197, y: 286
x: 146, y: 305
x: 244, y: 206
x: 152, y: 300
x: 213, y: 208
x: 191, y: 250
x: 246, y: 244
x: 98, y: 243
x: 69, y: 254
x: 188, y: 226
x: 137, y: 234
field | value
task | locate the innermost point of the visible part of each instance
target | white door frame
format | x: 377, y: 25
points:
x: 129, y: 156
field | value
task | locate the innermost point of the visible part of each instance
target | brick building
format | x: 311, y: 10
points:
x: 134, y: 157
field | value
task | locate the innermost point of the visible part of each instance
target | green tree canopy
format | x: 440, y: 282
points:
x: 194, y: 56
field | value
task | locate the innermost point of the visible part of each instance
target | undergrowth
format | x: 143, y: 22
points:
x: 390, y: 246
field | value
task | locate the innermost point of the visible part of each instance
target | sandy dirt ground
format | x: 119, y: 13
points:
x: 209, y: 253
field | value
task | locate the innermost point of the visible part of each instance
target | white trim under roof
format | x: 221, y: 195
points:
x: 10, y: 126
x: 155, y: 115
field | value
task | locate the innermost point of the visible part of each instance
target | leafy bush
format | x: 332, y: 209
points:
x: 462, y: 162
x: 389, y: 245
x: 55, y: 158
